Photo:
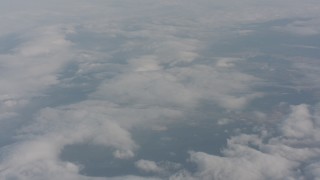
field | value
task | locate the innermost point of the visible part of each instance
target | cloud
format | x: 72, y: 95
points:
x: 309, y: 79
x: 313, y: 171
x: 226, y: 62
x: 91, y: 122
x: 309, y: 27
x: 123, y: 154
x: 35, y: 63
x: 80, y: 124
x: 141, y: 64
x: 162, y: 169
x: 251, y: 166
x: 293, y: 127
x: 289, y: 155
x: 180, y: 87
x: 148, y: 166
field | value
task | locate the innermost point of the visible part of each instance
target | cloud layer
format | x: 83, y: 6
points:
x: 288, y: 155
x: 97, y: 72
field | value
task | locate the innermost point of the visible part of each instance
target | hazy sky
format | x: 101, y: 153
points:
x: 166, y: 89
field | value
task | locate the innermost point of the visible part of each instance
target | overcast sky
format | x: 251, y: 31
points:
x: 166, y: 89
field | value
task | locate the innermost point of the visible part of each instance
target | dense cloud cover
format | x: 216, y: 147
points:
x: 145, y: 89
